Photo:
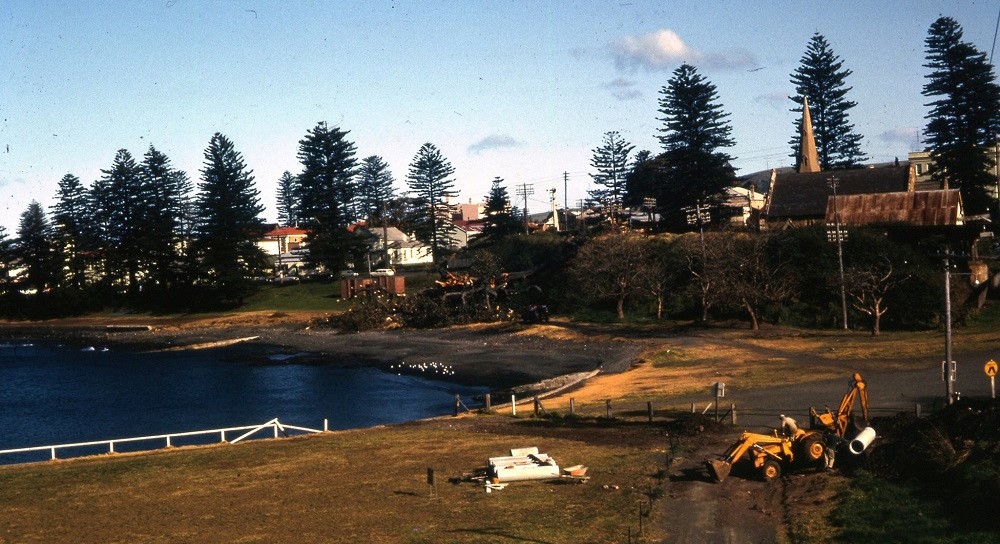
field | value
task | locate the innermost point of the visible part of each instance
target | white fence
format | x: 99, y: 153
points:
x: 248, y: 431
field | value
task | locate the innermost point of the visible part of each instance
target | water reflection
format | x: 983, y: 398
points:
x: 51, y: 394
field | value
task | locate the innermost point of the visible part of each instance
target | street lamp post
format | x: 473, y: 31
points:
x: 840, y: 251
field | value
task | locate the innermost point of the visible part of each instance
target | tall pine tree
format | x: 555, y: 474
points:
x: 500, y: 220
x: 692, y: 168
x: 611, y: 161
x: 821, y: 77
x: 167, y: 193
x: 34, y: 248
x: 71, y: 221
x: 432, y: 186
x: 228, y: 221
x: 965, y: 114
x: 288, y: 214
x: 374, y: 189
x: 6, y: 261
x: 326, y: 194
x: 127, y: 208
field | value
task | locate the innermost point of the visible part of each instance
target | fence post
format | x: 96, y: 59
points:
x: 487, y: 402
x: 916, y: 408
x: 222, y: 438
x: 111, y: 446
x: 326, y: 425
x: 732, y: 414
x: 53, y: 454
x: 458, y: 403
x: 168, y: 440
x: 692, y: 407
x: 535, y: 400
x: 276, y: 430
x: 607, y: 408
x: 649, y: 411
x: 513, y: 406
x: 572, y: 406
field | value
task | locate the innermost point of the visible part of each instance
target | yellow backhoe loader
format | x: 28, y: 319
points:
x: 769, y: 453
x: 842, y: 420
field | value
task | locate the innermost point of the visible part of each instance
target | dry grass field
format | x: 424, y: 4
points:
x: 358, y: 486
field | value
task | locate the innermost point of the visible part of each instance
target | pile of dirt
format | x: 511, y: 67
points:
x: 695, y: 424
x: 953, y: 455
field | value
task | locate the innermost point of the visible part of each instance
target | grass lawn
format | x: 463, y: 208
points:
x: 306, y: 296
x: 356, y: 486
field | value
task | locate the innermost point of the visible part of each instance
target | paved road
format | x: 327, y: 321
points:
x: 889, y: 392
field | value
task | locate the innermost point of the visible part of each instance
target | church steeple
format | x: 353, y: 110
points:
x: 808, y: 157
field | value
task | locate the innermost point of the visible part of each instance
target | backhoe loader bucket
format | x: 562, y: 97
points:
x: 719, y: 470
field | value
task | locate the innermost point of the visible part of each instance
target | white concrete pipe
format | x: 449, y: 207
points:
x: 862, y: 441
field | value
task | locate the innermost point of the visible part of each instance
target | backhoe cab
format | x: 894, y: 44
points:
x: 841, y: 421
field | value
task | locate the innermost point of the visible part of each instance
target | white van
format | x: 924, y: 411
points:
x: 383, y: 272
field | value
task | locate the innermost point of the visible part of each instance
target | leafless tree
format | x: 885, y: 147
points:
x: 756, y: 274
x: 705, y: 259
x: 661, y: 269
x: 869, y: 284
x: 610, y: 267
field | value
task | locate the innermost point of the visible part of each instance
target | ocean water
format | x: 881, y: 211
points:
x: 52, y: 394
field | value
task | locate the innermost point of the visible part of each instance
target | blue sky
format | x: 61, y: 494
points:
x: 523, y: 90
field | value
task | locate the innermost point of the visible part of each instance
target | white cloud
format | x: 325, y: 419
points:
x: 664, y: 50
x: 493, y: 141
x: 623, y: 89
x: 910, y: 136
x: 660, y: 50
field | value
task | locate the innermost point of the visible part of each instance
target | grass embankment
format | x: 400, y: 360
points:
x: 358, y: 486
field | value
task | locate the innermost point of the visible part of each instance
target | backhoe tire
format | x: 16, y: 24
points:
x: 770, y: 470
x: 813, y: 448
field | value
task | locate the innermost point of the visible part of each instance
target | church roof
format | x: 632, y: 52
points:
x: 803, y: 195
x: 920, y: 208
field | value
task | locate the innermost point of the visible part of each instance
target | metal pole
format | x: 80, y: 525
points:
x: 840, y: 253
x: 949, y: 384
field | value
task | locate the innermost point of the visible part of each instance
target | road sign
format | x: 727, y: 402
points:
x: 990, y: 368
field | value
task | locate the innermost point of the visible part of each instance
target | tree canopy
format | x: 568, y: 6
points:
x: 822, y: 78
x: 692, y: 167
x: 431, y: 184
x: 964, y: 114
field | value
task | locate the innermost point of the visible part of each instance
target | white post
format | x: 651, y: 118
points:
x: 111, y: 446
x: 53, y: 454
x: 168, y: 440
x: 276, y: 429
x: 326, y: 425
x: 993, y: 388
x: 222, y: 437
x: 513, y: 406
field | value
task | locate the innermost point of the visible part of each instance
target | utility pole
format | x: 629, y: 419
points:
x: 555, y: 211
x: 523, y: 191
x: 566, y: 191
x: 385, y: 232
x: 832, y: 182
x: 949, y: 370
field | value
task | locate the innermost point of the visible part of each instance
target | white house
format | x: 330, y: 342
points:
x: 403, y: 248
